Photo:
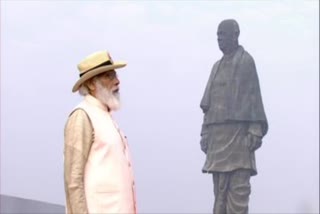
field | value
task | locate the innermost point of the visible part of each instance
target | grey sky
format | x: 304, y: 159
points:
x: 170, y: 48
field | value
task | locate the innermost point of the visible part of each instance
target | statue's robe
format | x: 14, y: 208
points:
x: 232, y: 107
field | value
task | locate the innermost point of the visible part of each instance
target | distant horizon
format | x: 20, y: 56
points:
x: 13, y: 204
x: 30, y: 199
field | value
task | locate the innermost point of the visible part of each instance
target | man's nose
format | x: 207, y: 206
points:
x: 116, y: 81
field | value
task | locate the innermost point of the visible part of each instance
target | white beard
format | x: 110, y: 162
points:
x: 107, y: 97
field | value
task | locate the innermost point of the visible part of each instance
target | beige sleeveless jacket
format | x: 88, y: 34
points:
x: 108, y: 176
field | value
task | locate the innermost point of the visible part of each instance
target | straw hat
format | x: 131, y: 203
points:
x: 95, y: 64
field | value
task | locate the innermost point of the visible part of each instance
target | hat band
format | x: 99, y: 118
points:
x: 103, y: 64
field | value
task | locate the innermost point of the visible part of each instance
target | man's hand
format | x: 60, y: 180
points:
x: 254, y: 142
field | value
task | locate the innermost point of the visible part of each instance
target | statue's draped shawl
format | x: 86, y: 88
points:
x: 243, y: 96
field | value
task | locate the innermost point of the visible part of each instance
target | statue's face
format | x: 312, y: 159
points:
x: 226, y: 36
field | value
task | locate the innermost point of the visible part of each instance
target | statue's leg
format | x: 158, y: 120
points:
x: 220, y: 186
x: 238, y: 192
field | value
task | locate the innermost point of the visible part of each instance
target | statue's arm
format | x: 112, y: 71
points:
x: 255, y: 135
x: 204, y: 137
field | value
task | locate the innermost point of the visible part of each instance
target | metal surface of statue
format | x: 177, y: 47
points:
x: 234, y: 122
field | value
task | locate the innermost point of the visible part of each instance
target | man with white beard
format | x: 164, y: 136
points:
x: 97, y: 166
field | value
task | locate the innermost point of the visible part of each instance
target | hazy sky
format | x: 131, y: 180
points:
x: 170, y: 47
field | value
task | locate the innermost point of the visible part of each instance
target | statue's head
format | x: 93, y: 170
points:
x: 228, y: 34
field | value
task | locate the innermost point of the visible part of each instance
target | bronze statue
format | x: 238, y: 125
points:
x: 234, y: 122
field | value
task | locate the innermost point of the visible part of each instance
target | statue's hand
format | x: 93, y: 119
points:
x: 254, y: 142
x: 204, y: 143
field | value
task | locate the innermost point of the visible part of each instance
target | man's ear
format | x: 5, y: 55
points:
x: 90, y: 85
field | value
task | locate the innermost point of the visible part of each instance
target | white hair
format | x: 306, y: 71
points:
x: 107, y: 97
x: 83, y: 90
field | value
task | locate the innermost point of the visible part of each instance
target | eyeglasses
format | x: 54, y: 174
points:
x: 111, y: 75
